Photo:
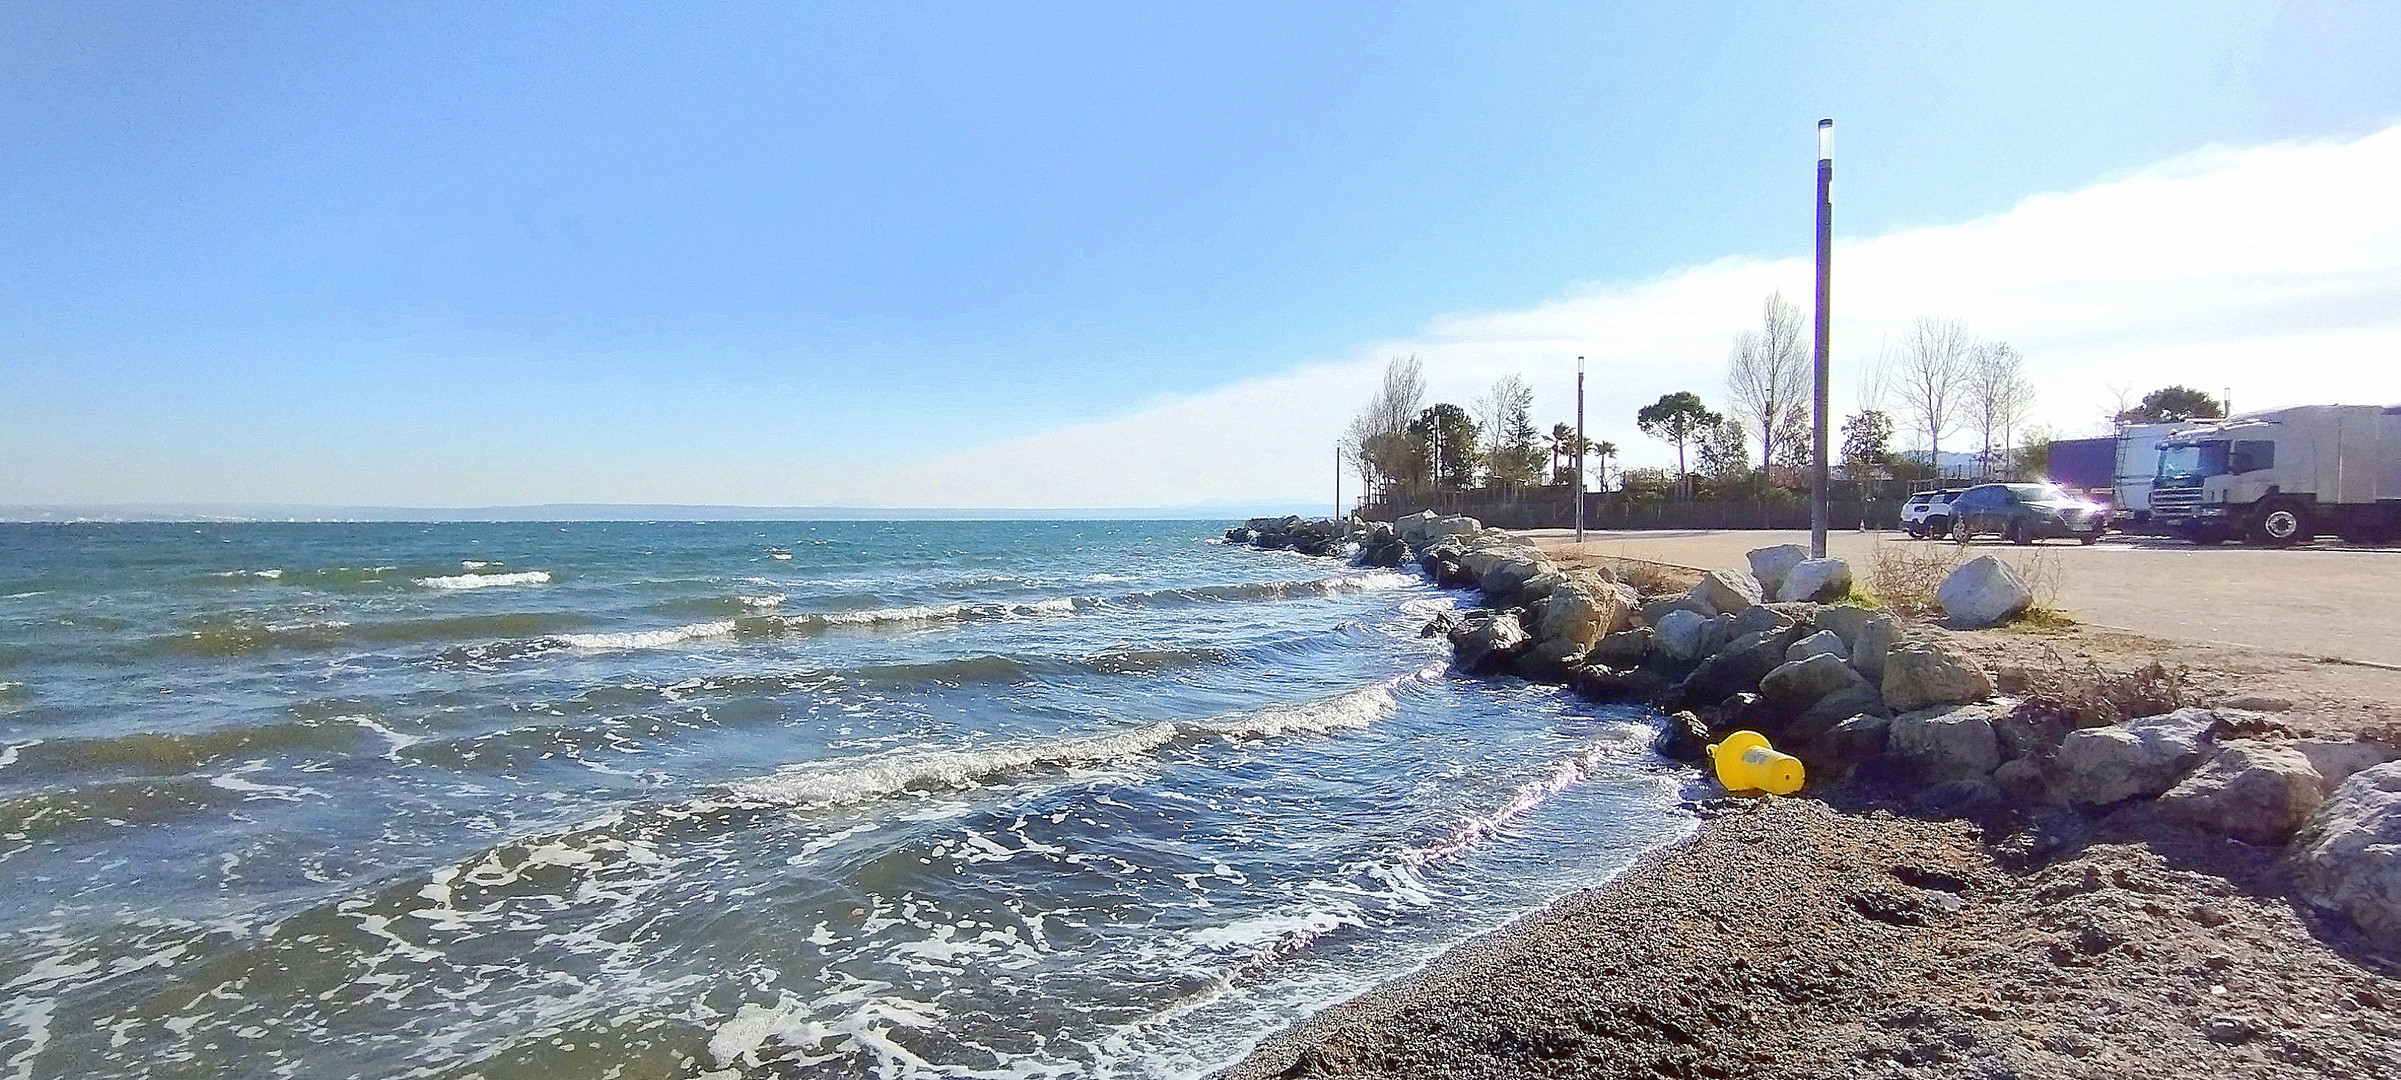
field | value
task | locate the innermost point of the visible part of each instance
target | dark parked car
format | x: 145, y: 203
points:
x: 2024, y: 513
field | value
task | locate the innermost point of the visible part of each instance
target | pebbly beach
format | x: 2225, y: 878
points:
x: 2026, y: 846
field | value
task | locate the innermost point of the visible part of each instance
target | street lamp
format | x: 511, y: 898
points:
x: 1818, y: 477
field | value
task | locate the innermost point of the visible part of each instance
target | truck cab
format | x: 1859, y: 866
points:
x: 2282, y: 477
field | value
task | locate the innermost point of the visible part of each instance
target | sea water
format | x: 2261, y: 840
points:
x: 992, y: 799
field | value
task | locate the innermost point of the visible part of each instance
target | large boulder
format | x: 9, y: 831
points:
x: 2349, y: 857
x: 2253, y: 791
x: 1851, y: 742
x: 1824, y: 641
x: 1725, y: 592
x: 2336, y: 759
x: 1815, y: 579
x: 1485, y: 640
x: 1768, y: 564
x: 2140, y: 758
x: 1856, y: 700
x: 1738, y: 667
x: 1923, y: 675
x: 1866, y: 636
x: 1504, y: 577
x: 1983, y: 591
x: 1799, y: 684
x: 1624, y: 648
x: 1756, y: 619
x: 1937, y: 746
x: 1583, y: 611
x: 1659, y: 608
x: 1677, y: 636
x: 1426, y: 527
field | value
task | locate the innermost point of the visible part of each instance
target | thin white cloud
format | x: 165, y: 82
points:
x: 2275, y: 271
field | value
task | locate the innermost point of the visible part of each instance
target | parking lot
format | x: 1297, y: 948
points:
x: 2321, y: 600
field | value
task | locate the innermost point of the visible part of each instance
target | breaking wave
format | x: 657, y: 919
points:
x: 485, y: 581
x: 842, y: 783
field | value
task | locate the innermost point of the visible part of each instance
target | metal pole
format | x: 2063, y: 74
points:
x: 1819, y: 476
x: 1580, y: 449
x: 1338, y: 482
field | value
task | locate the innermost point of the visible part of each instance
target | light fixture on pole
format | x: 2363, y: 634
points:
x: 1580, y: 449
x: 1819, y: 480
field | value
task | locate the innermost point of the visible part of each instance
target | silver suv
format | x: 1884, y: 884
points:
x: 1927, y: 514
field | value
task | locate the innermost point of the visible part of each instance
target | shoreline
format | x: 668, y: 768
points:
x: 1854, y: 928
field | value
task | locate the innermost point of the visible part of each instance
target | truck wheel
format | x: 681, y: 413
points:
x: 2282, y: 524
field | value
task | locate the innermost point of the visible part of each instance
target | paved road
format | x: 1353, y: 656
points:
x: 2324, y: 600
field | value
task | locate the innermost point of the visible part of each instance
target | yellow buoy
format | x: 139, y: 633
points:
x: 1746, y: 762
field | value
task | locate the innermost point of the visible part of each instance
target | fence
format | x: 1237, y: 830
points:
x: 1555, y: 508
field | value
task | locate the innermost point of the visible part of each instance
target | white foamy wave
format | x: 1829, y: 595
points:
x: 1570, y: 771
x: 474, y: 564
x: 1351, y: 711
x: 845, y: 782
x: 485, y: 581
x: 269, y: 575
x: 762, y: 602
x: 841, y: 783
x: 649, y: 639
x: 924, y: 613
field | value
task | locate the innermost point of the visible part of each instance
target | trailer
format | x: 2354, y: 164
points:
x: 2085, y: 468
x: 2283, y: 476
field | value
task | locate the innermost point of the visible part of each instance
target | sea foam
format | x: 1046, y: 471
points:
x: 485, y: 581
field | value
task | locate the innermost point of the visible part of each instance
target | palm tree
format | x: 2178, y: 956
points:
x: 1563, y: 446
x: 1603, y: 450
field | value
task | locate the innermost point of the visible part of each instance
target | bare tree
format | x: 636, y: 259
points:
x: 1997, y: 398
x: 1875, y: 383
x: 1768, y: 377
x: 1512, y: 448
x: 1933, y: 364
x: 1379, y: 441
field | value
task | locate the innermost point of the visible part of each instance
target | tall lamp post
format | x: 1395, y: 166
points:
x: 1819, y: 478
x: 1580, y: 449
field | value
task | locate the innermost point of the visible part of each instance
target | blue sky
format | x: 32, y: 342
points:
x: 439, y: 255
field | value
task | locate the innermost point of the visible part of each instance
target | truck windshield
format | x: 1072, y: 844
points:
x: 2199, y: 459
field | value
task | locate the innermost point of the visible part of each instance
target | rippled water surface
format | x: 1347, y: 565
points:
x: 746, y: 799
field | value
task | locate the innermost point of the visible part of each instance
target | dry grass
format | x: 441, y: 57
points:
x: 1902, y: 577
x: 1647, y: 577
x: 2085, y: 695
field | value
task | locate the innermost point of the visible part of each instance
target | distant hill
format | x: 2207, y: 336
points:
x: 1208, y: 511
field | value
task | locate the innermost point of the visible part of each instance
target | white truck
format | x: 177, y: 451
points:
x: 2282, y: 476
x: 2137, y: 465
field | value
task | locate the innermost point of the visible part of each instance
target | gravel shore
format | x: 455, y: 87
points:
x: 1791, y: 938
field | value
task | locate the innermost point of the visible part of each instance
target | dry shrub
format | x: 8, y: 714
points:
x: 1648, y: 578
x: 1903, y: 577
x: 2086, y: 696
x: 2046, y: 574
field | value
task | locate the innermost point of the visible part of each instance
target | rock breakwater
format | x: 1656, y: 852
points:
x: 1874, y: 702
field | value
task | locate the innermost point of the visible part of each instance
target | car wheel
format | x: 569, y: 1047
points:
x: 1959, y: 533
x: 2090, y: 538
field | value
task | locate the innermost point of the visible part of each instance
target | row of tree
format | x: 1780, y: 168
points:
x: 1939, y: 378
x: 1399, y: 441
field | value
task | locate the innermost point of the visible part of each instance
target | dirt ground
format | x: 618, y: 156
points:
x: 2324, y: 600
x: 1789, y: 938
